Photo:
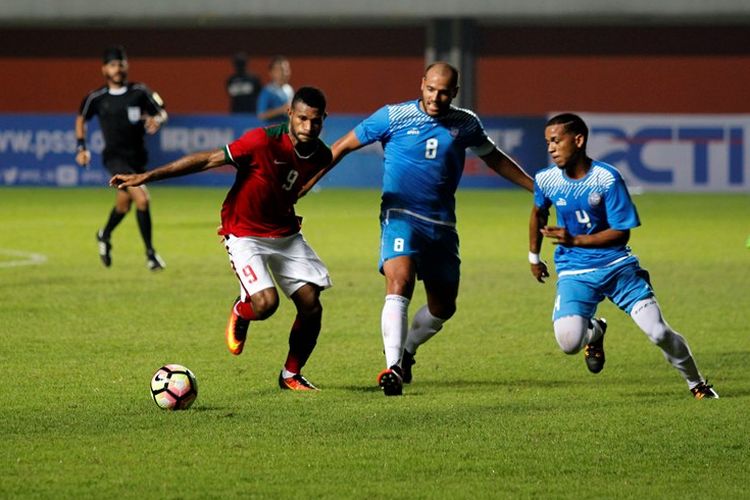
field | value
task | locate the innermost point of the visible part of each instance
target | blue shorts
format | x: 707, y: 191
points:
x: 624, y: 283
x: 433, y: 247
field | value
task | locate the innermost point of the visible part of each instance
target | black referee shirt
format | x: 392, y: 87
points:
x: 121, y: 117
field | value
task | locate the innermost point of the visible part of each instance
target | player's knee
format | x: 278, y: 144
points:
x: 444, y: 311
x: 659, y: 333
x: 265, y: 309
x: 123, y: 206
x: 400, y: 286
x: 313, y: 309
x: 569, y: 337
x: 307, y: 301
x: 569, y: 342
x: 265, y: 304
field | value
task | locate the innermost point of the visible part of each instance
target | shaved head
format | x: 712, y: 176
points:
x: 439, y: 88
x: 443, y: 69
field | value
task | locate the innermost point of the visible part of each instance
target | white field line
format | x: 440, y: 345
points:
x: 20, y: 258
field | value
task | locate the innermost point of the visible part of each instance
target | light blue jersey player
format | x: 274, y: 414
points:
x: 275, y: 97
x: 593, y: 261
x: 424, y: 143
x: 423, y: 162
x: 423, y: 157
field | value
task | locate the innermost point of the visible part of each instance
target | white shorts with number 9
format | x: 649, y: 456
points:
x: 290, y: 260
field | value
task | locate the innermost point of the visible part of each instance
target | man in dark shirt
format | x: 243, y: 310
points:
x: 126, y: 111
x: 243, y: 87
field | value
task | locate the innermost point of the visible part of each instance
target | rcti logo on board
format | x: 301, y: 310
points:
x: 674, y: 152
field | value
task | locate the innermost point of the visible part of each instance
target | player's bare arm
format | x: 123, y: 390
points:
x: 538, y: 220
x: 602, y: 239
x: 344, y: 146
x: 83, y: 155
x: 339, y: 150
x: 189, y: 164
x: 506, y: 167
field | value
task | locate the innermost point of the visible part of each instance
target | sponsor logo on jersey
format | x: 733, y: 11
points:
x: 413, y: 131
x: 595, y: 199
x: 561, y: 202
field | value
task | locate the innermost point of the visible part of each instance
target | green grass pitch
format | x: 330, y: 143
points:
x: 495, y: 409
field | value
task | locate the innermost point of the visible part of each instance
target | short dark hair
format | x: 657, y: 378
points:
x: 312, y: 96
x: 115, y: 53
x: 239, y: 59
x: 572, y: 123
x: 276, y: 60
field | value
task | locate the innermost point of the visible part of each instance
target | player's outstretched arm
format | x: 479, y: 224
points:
x: 344, y: 146
x: 538, y: 220
x: 196, y: 162
x: 506, y: 167
x: 340, y: 149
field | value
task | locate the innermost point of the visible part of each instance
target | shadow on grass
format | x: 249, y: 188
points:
x: 463, y: 384
x: 356, y: 388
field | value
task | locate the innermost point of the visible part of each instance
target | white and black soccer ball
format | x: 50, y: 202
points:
x: 174, y: 387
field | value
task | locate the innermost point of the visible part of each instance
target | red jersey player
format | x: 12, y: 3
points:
x: 260, y: 228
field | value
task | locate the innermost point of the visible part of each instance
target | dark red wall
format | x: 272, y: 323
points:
x: 614, y: 69
x: 520, y: 70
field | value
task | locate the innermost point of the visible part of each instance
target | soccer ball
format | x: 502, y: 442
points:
x: 174, y: 387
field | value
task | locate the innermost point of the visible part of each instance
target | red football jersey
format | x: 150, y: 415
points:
x: 270, y: 175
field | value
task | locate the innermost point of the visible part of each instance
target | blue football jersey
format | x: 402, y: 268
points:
x: 598, y: 201
x: 273, y: 96
x: 424, y: 156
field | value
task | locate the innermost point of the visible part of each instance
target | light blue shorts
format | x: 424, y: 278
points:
x: 624, y: 283
x: 433, y: 247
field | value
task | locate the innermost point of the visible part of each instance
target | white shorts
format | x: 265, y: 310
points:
x: 291, y: 261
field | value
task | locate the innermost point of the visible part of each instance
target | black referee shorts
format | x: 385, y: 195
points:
x: 123, y: 166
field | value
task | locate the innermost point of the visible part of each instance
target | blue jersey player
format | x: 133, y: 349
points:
x: 424, y: 143
x: 593, y: 261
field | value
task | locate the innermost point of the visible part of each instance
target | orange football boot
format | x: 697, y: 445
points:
x: 296, y: 383
x: 236, y: 332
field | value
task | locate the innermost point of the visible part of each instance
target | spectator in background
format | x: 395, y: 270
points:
x: 243, y: 87
x: 274, y: 99
x: 126, y: 111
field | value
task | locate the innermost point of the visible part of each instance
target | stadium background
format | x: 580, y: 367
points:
x: 682, y: 67
x: 496, y: 411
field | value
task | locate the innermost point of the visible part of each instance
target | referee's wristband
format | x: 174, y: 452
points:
x: 81, y: 145
x: 534, y: 258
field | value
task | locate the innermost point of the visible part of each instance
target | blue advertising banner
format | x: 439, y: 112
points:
x: 686, y: 153
x: 689, y: 153
x: 39, y: 150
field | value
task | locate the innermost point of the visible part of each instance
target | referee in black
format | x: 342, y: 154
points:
x: 127, y: 111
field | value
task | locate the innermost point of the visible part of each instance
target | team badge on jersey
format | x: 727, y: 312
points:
x: 134, y: 114
x: 454, y: 132
x: 595, y: 198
